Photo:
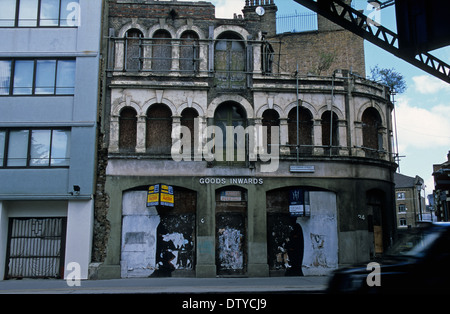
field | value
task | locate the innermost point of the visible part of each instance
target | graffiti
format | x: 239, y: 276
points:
x: 175, y: 247
x: 230, y: 248
x: 177, y: 239
x: 319, y: 255
x: 178, y: 260
x: 286, y: 246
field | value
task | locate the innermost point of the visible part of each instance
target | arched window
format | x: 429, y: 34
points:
x: 305, y: 130
x: 372, y: 138
x: 267, y: 58
x: 161, y: 51
x: 159, y: 130
x: 188, y: 120
x: 230, y: 114
x: 330, y: 129
x: 229, y: 61
x: 189, y: 52
x: 127, y: 130
x: 270, y: 118
x: 133, y: 61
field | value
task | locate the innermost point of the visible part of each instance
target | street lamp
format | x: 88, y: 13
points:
x: 419, y: 188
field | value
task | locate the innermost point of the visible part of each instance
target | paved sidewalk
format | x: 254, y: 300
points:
x: 313, y: 284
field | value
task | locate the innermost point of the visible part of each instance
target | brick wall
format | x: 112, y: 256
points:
x: 310, y: 49
x: 154, y: 9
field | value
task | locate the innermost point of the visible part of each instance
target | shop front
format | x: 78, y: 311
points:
x: 234, y: 226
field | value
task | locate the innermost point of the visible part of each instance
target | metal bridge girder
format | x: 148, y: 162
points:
x: 355, y: 21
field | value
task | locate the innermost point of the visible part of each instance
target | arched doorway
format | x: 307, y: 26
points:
x: 302, y: 236
x: 285, y: 241
x: 158, y: 241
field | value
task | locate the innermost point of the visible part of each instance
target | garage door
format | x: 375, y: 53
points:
x: 35, y: 248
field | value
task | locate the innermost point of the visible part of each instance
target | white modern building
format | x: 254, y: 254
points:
x: 49, y: 69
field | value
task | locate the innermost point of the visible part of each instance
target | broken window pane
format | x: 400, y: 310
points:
x: 229, y: 62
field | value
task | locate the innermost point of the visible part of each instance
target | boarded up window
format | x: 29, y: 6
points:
x: 233, y: 115
x: 327, y: 124
x: 134, y: 50
x: 188, y: 119
x: 271, y: 118
x: 189, y: 52
x: 127, y: 130
x: 229, y: 62
x: 161, y: 51
x: 371, y: 123
x: 159, y: 130
x: 267, y: 58
x: 305, y: 130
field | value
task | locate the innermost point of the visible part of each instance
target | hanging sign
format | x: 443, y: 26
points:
x: 299, y: 205
x: 160, y: 195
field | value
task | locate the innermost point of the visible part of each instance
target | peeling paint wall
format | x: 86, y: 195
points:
x: 231, y: 248
x: 139, y: 224
x: 176, y: 237
x: 318, y: 250
x: 320, y: 235
x: 231, y: 255
x: 156, y: 243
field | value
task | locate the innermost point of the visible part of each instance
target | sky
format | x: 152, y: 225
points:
x: 422, y: 111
